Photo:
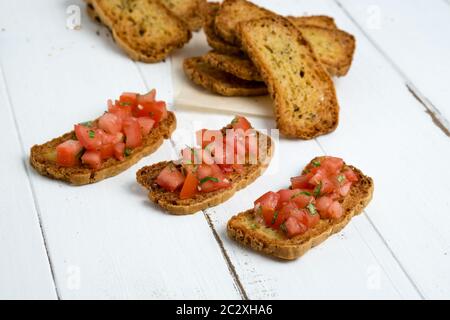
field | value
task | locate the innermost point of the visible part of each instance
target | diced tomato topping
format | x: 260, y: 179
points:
x: 170, y: 178
x: 211, y: 178
x: 92, y: 158
x: 110, y: 123
x: 106, y: 151
x: 268, y: 200
x: 123, y: 112
x: 294, y: 227
x: 129, y: 98
x: 302, y: 182
x: 190, y: 186
x: 133, y: 134
x: 287, y: 194
x: 196, y: 156
x: 345, y: 188
x: 302, y: 200
x: 155, y: 110
x: 335, y: 210
x: 119, y: 151
x: 147, y: 98
x: 88, y: 137
x: 68, y: 152
x: 205, y: 137
x: 240, y: 122
x: 146, y: 124
x: 322, y: 205
x: 309, y: 219
x: 350, y: 175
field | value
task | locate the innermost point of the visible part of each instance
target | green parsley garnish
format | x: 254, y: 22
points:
x: 311, y: 208
x: 317, y: 189
x: 316, y: 163
x: 235, y: 120
x: 275, y: 216
x: 213, y: 179
x: 254, y: 226
x: 306, y: 171
x: 127, y: 152
x: 341, y: 178
x: 91, y: 134
x: 306, y: 193
x: 123, y: 104
x: 283, y: 227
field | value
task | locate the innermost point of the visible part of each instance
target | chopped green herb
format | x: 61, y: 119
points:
x: 127, y: 152
x: 259, y: 211
x: 283, y: 227
x: 306, y: 171
x: 123, y: 104
x: 316, y: 163
x: 87, y: 124
x: 317, y: 189
x: 312, y: 209
x: 254, y: 226
x: 306, y: 193
x: 213, y: 179
x: 235, y: 120
x: 275, y: 216
x: 341, y: 178
x: 91, y: 134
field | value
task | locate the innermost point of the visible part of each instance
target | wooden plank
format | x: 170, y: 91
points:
x: 24, y: 268
x: 419, y: 51
x: 365, y: 266
x: 106, y: 239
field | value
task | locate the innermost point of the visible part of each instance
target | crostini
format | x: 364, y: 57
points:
x: 133, y: 127
x: 224, y: 162
x: 320, y: 202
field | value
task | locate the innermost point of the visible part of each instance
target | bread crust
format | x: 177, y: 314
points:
x: 238, y: 65
x: 180, y: 36
x: 82, y: 174
x: 220, y: 82
x: 317, y: 21
x: 304, y: 95
x: 274, y: 243
x: 187, y: 10
x: 171, y: 201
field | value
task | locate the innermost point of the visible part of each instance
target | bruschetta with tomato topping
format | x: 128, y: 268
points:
x: 223, y: 162
x: 133, y: 127
x: 319, y: 202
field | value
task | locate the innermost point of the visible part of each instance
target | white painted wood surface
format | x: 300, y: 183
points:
x: 107, y: 241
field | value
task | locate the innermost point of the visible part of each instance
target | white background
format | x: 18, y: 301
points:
x: 108, y: 241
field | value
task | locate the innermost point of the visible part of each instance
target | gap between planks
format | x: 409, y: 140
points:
x: 436, y: 116
x: 30, y: 182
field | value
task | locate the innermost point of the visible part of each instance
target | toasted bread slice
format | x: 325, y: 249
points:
x: 214, y: 40
x: 244, y: 229
x: 171, y: 201
x: 303, y: 93
x: 233, y: 12
x: 82, y: 174
x: 145, y: 29
x: 188, y: 11
x: 314, y: 21
x: 220, y: 82
x: 238, y: 65
x: 333, y: 47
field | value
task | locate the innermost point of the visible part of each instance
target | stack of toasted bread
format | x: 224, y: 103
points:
x: 148, y: 30
x: 255, y: 52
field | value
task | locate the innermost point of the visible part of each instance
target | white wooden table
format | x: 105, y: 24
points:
x: 107, y: 241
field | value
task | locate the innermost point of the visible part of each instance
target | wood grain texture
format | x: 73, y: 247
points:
x: 24, y: 267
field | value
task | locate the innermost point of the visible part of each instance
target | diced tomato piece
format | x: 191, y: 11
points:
x: 268, y: 200
x: 123, y: 112
x: 335, y: 210
x: 88, y: 137
x: 302, y: 200
x: 110, y: 123
x: 309, y: 219
x: 133, y: 133
x: 106, y: 151
x: 350, y: 175
x: 112, y: 138
x: 68, y: 152
x: 288, y: 209
x: 302, y: 182
x: 287, y: 194
x: 170, y: 178
x: 196, y: 156
x: 146, y: 124
x: 322, y: 205
x: 240, y: 122
x: 190, y: 186
x: 147, y: 98
x: 155, y: 110
x: 92, y: 158
x: 294, y: 227
x: 332, y: 165
x: 211, y: 178
x: 129, y: 98
x: 345, y: 188
x: 327, y: 186
x: 119, y: 151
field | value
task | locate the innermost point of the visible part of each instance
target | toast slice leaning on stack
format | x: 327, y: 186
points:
x: 187, y: 10
x: 247, y: 231
x: 220, y: 82
x: 238, y: 65
x: 314, y: 21
x: 145, y: 29
x: 173, y: 202
x: 80, y: 175
x: 304, y: 95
